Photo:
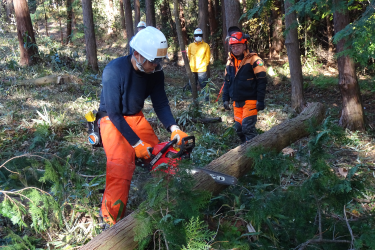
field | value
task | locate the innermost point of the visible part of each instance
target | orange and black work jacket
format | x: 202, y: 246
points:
x: 245, y: 79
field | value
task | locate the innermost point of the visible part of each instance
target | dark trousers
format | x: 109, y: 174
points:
x: 201, y: 79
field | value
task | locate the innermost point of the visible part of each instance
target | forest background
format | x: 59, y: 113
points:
x: 316, y: 193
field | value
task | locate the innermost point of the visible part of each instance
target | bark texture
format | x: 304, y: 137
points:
x: 137, y: 14
x: 352, y: 115
x: 150, y: 13
x: 88, y: 21
x: 234, y: 163
x: 225, y: 45
x: 294, y: 57
x: 69, y: 10
x: 128, y: 18
x: 277, y: 30
x: 25, y: 33
x: 213, y: 28
x: 183, y: 24
x: 203, y: 19
x: 122, y: 16
x: 233, y: 13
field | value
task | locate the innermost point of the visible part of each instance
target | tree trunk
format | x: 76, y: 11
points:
x: 9, y: 9
x: 235, y: 163
x: 203, y: 19
x: 352, y: 116
x: 225, y: 45
x: 137, y: 14
x: 128, y: 19
x: 294, y: 56
x: 277, y: 30
x: 213, y: 28
x: 69, y: 9
x: 88, y: 22
x: 232, y: 13
x: 183, y: 24
x: 150, y: 13
x: 123, y: 26
x: 329, y: 38
x: 25, y: 33
x: 183, y: 51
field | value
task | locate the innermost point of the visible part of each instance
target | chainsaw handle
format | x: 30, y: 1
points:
x: 185, y: 146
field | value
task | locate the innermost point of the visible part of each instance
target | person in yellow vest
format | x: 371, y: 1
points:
x: 199, y: 55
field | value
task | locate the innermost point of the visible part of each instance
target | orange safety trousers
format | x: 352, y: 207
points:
x: 121, y: 163
x: 249, y: 109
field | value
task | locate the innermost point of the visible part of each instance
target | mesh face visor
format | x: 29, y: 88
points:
x: 159, y: 62
x: 236, y: 37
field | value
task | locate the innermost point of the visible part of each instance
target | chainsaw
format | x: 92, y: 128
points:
x: 165, y: 157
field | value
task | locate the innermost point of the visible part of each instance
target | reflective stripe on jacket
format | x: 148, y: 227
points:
x: 248, y: 82
x: 199, y: 55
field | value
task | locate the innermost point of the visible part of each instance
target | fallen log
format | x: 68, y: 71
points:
x: 51, y: 79
x: 235, y: 163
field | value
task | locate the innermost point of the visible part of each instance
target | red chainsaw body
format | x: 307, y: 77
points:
x: 166, y: 158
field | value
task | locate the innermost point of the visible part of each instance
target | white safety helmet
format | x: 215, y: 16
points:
x: 152, y: 45
x: 141, y: 24
x: 198, y: 35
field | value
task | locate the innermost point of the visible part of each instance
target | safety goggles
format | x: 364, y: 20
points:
x: 156, y: 60
x: 198, y: 35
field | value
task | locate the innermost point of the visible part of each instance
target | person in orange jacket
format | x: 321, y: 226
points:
x: 245, y: 84
x: 199, y: 55
x: 126, y: 134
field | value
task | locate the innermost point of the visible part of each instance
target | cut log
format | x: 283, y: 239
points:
x: 51, y: 79
x: 235, y: 163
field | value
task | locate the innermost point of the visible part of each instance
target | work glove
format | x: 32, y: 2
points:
x: 142, y: 150
x: 226, y: 105
x: 260, y: 105
x: 177, y: 134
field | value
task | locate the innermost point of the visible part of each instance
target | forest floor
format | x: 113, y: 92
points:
x: 49, y: 120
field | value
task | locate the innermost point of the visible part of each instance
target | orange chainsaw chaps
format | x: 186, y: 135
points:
x: 121, y: 163
x: 249, y: 109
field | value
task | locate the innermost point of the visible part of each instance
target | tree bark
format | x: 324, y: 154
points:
x: 88, y: 21
x: 9, y: 9
x: 213, y: 28
x: 352, y: 115
x: 277, y: 30
x: 183, y: 51
x: 150, y: 13
x: 69, y: 9
x: 25, y: 33
x: 123, y: 26
x: 128, y: 19
x: 329, y: 38
x: 203, y: 19
x: 183, y: 24
x: 232, y: 13
x: 224, y: 35
x: 137, y: 14
x: 294, y: 56
x: 235, y: 163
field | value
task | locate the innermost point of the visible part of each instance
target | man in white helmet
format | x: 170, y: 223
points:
x: 141, y: 25
x: 199, y: 55
x: 127, y: 81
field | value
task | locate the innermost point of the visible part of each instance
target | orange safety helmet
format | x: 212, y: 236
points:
x: 237, y: 37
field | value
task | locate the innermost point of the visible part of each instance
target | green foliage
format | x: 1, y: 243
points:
x: 285, y: 208
x: 165, y: 213
x: 198, y: 235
